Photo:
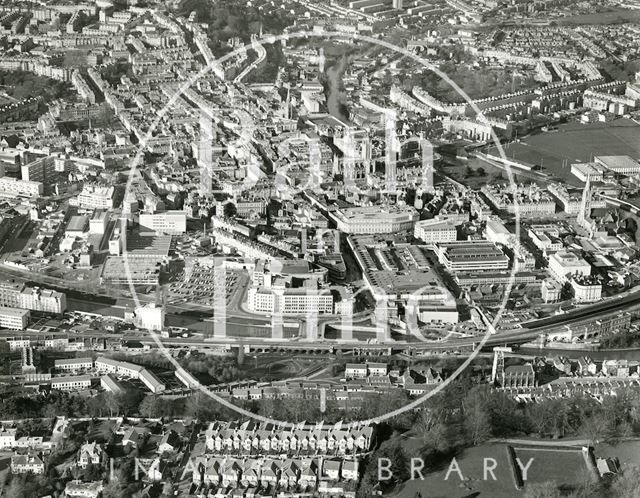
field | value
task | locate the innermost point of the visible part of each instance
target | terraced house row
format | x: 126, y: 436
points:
x: 271, y: 473
x: 320, y: 439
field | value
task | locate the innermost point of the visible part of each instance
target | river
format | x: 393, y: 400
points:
x: 335, y: 93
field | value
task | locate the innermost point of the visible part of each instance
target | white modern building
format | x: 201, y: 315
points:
x: 149, y: 317
x: 585, y: 290
x: 71, y: 383
x: 621, y: 165
x: 99, y: 221
x: 435, y: 230
x: 74, y: 364
x: 375, y: 219
x: 12, y: 187
x: 14, y: 318
x: 47, y: 300
x: 467, y: 256
x: 93, y: 197
x: 496, y: 232
x: 593, y: 171
x: 545, y: 240
x: 289, y: 301
x: 550, y: 290
x: 168, y: 222
x: 563, y: 264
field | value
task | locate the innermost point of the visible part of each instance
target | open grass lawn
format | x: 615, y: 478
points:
x: 471, y: 463
x: 576, y: 143
x: 611, y: 16
x: 564, y: 466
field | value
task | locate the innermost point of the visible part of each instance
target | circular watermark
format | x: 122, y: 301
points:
x: 390, y: 184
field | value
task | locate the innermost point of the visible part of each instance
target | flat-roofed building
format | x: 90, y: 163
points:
x: 14, y: 318
x: 77, y: 226
x: 71, y: 383
x: 43, y: 169
x: 148, y: 246
x: 593, y: 171
x: 166, y: 222
x: 115, y: 245
x: 551, y: 291
x: 375, y: 219
x: 586, y: 289
x: 138, y: 271
x: 289, y: 301
x: 74, y: 364
x: 544, y: 240
x: 47, y: 300
x: 470, y: 279
x: 434, y: 230
x: 99, y: 221
x: 563, y: 264
x: 149, y: 317
x: 468, y: 256
x: 496, y: 232
x: 621, y: 165
x: 94, y: 197
x: 9, y: 294
x: 17, y: 343
x: 12, y: 187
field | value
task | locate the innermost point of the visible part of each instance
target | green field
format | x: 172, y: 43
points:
x: 471, y: 463
x: 611, y: 16
x: 565, y: 467
x: 562, y: 465
x: 576, y: 143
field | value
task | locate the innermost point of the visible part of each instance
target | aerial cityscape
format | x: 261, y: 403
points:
x: 342, y: 248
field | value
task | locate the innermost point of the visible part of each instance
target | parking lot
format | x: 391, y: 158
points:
x: 200, y: 285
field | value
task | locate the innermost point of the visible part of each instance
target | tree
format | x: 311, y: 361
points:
x: 481, y: 172
x: 92, y: 473
x: 566, y: 292
x: 597, y: 428
x: 202, y: 407
x: 111, y: 404
x: 151, y: 407
x: 476, y: 417
x: 230, y: 210
x: 240, y: 358
x: 540, y: 417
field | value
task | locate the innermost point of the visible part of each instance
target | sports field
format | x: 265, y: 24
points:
x: 576, y: 142
x: 436, y: 483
